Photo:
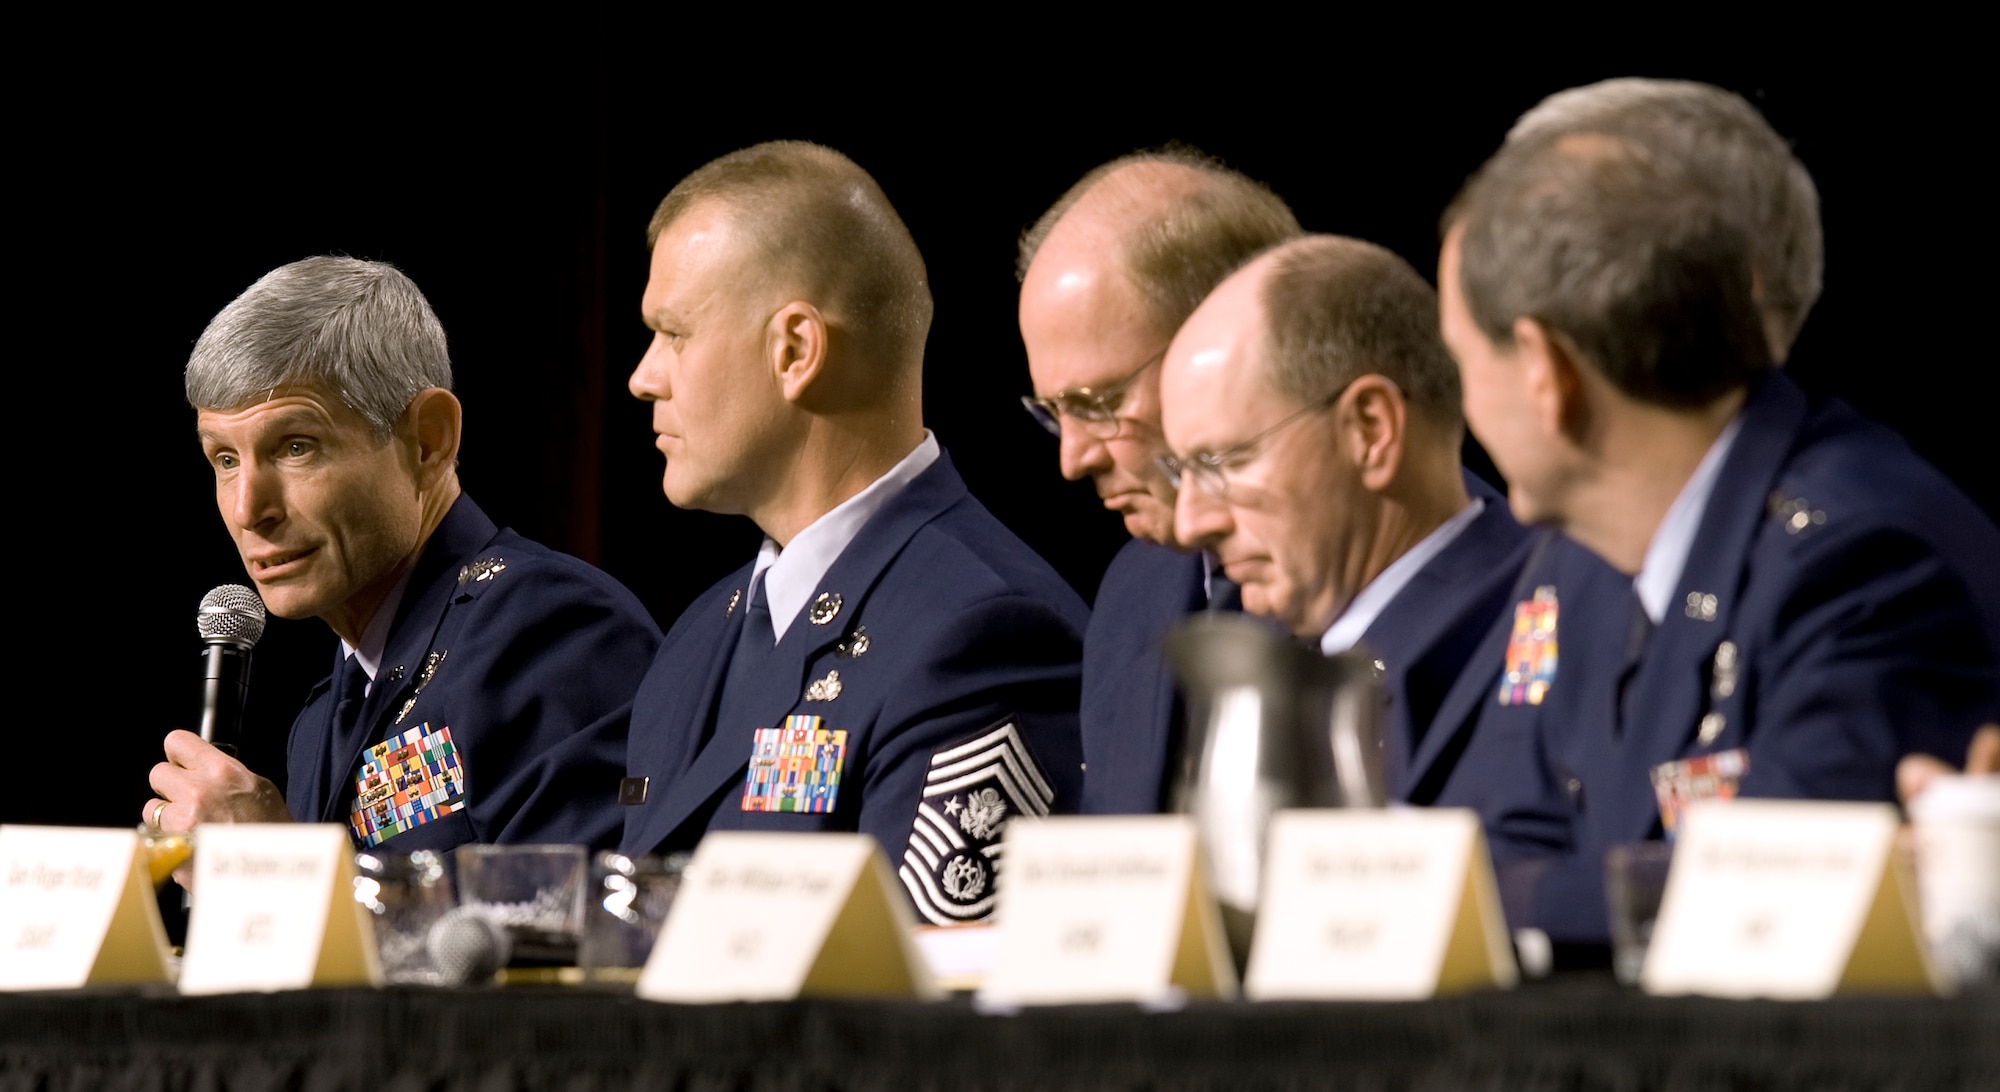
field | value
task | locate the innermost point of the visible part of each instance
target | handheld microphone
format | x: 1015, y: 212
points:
x: 230, y: 621
x: 467, y: 947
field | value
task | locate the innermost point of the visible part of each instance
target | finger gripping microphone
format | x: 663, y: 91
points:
x: 230, y: 620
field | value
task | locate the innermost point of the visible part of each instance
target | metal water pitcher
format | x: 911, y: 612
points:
x: 1269, y: 724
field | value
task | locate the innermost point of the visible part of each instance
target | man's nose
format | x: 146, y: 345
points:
x: 254, y: 496
x: 1199, y: 518
x: 649, y: 379
x: 1081, y: 454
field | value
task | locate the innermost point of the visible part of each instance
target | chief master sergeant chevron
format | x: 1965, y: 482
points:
x: 483, y: 681
x: 894, y: 661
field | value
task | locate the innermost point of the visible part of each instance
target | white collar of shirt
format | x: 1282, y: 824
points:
x: 1360, y: 614
x: 376, y: 637
x: 792, y: 573
x: 1667, y: 554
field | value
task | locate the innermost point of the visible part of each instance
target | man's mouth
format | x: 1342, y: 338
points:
x: 275, y: 565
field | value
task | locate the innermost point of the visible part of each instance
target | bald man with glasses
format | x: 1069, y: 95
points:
x: 1313, y: 424
x: 1107, y: 276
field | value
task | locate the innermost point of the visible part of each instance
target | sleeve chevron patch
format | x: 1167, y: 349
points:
x: 952, y: 863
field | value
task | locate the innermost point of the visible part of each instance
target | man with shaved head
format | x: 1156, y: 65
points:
x: 1107, y: 275
x: 1313, y: 418
x: 894, y: 661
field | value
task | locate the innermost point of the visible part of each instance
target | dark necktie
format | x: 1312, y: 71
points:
x: 350, y: 690
x: 744, y: 683
x: 1639, y: 632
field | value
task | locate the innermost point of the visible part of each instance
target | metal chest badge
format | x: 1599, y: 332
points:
x: 795, y: 767
x: 1531, y: 650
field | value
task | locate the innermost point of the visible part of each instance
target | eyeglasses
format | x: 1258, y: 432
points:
x: 1092, y: 410
x: 1211, y: 470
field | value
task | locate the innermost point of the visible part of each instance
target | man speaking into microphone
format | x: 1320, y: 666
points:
x: 483, y: 681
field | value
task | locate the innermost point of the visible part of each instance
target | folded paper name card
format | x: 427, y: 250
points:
x: 1389, y: 905
x: 774, y: 916
x: 1106, y: 909
x: 76, y: 909
x: 274, y: 909
x: 1788, y: 900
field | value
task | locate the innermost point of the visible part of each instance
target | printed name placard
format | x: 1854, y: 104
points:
x: 773, y: 916
x: 274, y: 909
x: 76, y: 909
x: 1390, y: 905
x: 1106, y: 909
x: 1789, y: 900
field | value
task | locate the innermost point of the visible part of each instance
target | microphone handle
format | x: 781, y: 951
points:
x: 225, y: 682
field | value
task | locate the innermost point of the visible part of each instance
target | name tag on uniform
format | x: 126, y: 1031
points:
x: 76, y: 909
x: 406, y: 781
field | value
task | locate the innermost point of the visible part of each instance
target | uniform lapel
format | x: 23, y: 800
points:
x: 426, y: 598
x: 851, y: 577
x: 1670, y: 691
x: 691, y: 694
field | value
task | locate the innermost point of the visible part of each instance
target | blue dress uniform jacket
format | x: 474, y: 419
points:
x: 1130, y: 700
x: 927, y: 694
x: 1840, y: 608
x: 1423, y: 640
x: 526, y: 658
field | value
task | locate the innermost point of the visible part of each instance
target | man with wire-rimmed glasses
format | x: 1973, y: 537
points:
x: 1107, y: 275
x: 1314, y: 429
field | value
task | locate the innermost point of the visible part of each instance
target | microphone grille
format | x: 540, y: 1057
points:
x: 233, y: 613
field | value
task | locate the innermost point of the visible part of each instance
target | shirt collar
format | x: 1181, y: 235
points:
x: 375, y: 638
x: 1667, y: 554
x: 790, y: 574
x: 1366, y: 607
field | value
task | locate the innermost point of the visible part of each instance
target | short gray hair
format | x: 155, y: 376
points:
x: 1638, y: 262
x: 1176, y: 258
x: 1338, y: 308
x: 1729, y: 144
x: 358, y: 329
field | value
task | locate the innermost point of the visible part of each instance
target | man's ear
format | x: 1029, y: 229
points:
x: 796, y: 343
x: 437, y: 419
x: 1551, y: 365
x: 1373, y: 421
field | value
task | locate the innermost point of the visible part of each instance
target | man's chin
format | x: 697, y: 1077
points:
x: 1151, y: 527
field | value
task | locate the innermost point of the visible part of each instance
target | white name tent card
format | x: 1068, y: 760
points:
x: 774, y: 916
x: 274, y: 909
x: 1378, y: 905
x: 76, y: 909
x: 1106, y: 909
x: 1788, y: 900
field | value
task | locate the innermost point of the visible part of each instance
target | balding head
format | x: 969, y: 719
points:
x: 813, y: 221
x: 1108, y: 274
x: 1729, y: 146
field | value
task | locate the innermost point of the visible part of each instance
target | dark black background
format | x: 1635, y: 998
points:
x: 510, y: 171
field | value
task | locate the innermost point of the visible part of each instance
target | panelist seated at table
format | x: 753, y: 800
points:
x: 894, y: 661
x: 1108, y: 274
x: 482, y: 684
x: 1314, y: 418
x: 1788, y: 602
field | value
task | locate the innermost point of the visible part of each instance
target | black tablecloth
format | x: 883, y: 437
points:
x: 1568, y: 1036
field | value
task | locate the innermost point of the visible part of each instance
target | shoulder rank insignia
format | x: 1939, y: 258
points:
x: 825, y: 689
x: 406, y: 781
x: 1796, y: 513
x: 824, y: 608
x: 735, y: 597
x: 484, y: 569
x: 1531, y: 650
x: 970, y: 792
x: 795, y: 767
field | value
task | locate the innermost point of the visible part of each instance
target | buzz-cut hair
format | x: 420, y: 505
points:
x: 1175, y: 258
x: 1637, y: 261
x: 1718, y: 135
x: 814, y: 216
x: 1337, y: 308
x: 359, y: 330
